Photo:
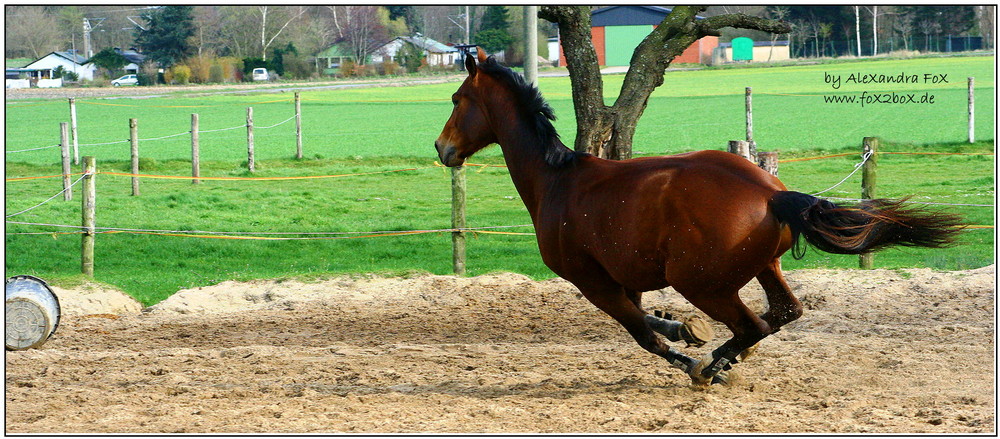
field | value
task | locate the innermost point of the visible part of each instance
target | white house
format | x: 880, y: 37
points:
x: 437, y: 54
x: 70, y: 61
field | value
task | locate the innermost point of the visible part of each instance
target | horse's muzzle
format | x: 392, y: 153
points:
x: 448, y: 155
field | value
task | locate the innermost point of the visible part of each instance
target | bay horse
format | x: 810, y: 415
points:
x: 704, y: 223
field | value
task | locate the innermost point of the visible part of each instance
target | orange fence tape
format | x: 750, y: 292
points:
x: 802, y: 159
x: 271, y: 238
x: 41, y: 176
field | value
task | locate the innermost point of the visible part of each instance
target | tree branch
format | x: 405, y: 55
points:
x: 712, y: 25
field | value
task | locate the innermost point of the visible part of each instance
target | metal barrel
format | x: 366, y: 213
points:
x: 31, y: 312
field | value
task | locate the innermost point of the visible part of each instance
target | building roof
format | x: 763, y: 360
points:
x: 428, y: 44
x: 333, y: 51
x: 71, y: 56
x: 68, y: 55
x: 131, y: 55
x: 629, y: 15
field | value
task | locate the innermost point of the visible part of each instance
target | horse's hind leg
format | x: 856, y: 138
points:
x: 782, y: 306
x: 694, y: 331
x: 747, y: 328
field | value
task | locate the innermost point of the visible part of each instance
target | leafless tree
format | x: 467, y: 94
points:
x: 778, y: 13
x: 363, y: 33
x: 30, y: 31
x: 903, y: 25
x: 928, y: 28
x: 208, y: 23
x: 277, y: 14
x: 987, y: 24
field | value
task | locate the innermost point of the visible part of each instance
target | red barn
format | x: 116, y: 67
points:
x: 617, y: 30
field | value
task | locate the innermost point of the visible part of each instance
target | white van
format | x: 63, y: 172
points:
x: 259, y: 74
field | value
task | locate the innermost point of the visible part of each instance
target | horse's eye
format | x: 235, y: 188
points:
x: 454, y: 101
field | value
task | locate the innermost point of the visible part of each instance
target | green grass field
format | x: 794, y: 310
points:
x: 368, y: 130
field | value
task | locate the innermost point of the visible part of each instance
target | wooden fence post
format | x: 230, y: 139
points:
x: 769, y: 162
x: 298, y: 126
x: 76, y: 142
x: 64, y: 142
x: 972, y: 110
x: 869, y: 148
x: 740, y: 148
x: 133, y: 128
x: 752, y: 147
x: 89, y: 206
x: 195, y: 154
x: 458, y: 219
x: 250, y: 159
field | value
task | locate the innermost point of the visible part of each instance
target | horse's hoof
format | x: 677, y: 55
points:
x: 727, y: 378
x: 748, y: 352
x: 697, y: 331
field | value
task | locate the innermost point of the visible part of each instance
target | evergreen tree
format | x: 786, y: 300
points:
x: 108, y: 59
x: 495, y: 17
x: 165, y: 39
x: 494, y: 34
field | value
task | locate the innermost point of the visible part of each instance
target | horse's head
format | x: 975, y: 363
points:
x: 468, y: 129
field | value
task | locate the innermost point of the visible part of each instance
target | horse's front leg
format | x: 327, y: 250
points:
x: 618, y: 303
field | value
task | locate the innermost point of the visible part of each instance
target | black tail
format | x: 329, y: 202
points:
x: 870, y: 225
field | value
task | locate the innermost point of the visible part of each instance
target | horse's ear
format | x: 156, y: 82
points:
x: 481, y: 54
x: 470, y: 64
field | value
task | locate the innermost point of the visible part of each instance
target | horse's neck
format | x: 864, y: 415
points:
x: 525, y: 159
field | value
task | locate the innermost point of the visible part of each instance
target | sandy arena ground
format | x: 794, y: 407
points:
x: 908, y: 351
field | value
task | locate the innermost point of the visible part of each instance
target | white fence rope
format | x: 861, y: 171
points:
x: 165, y: 137
x: 185, y: 133
x: 916, y: 202
x: 50, y: 198
x: 34, y: 149
x: 223, y: 129
x: 857, y: 167
x: 279, y: 123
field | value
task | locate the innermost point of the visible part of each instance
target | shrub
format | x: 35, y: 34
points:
x: 149, y: 74
x: 216, y: 73
x: 179, y: 74
x: 299, y: 67
x: 347, y: 68
x: 200, y: 68
x: 411, y: 57
x: 388, y: 68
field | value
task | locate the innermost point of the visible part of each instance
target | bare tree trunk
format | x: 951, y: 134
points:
x: 874, y: 30
x: 857, y: 26
x: 593, y: 130
x: 263, y: 28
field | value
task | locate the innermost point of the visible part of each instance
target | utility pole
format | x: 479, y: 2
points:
x: 87, y: 52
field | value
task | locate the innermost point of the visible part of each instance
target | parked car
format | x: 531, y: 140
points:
x: 260, y: 74
x: 125, y: 80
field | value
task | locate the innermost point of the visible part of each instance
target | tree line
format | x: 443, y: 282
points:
x: 254, y: 35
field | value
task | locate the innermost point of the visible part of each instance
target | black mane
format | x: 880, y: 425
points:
x: 535, y: 111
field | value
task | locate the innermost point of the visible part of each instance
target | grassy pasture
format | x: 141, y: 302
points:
x: 369, y: 130
x: 693, y: 110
